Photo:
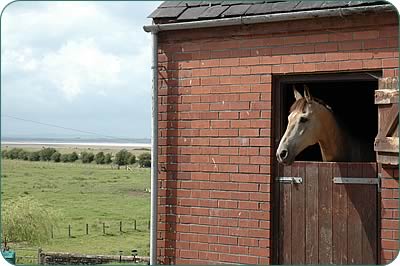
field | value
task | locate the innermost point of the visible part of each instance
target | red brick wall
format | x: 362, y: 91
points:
x: 389, y: 233
x: 215, y: 154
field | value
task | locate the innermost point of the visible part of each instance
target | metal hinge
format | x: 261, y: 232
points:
x: 379, y: 182
x: 289, y: 179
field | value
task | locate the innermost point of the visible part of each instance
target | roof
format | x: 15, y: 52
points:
x: 181, y: 11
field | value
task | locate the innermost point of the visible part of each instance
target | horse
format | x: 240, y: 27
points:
x: 312, y: 121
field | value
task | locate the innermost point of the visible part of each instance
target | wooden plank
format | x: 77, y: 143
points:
x: 339, y: 216
x: 388, y: 83
x: 388, y: 144
x: 388, y: 126
x: 325, y: 213
x: 298, y: 215
x: 386, y: 96
x: 354, y: 226
x: 369, y: 218
x: 276, y: 216
x: 312, y: 213
x: 286, y: 220
x: 387, y: 158
x: 281, y: 219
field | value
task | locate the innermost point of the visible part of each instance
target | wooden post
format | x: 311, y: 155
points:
x: 69, y: 230
x: 120, y: 226
x: 386, y: 143
x: 38, y: 256
x: 52, y: 232
x: 104, y: 228
x: 87, y: 229
x: 134, y: 224
x: 134, y: 254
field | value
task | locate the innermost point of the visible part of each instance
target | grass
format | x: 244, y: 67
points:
x: 86, y: 194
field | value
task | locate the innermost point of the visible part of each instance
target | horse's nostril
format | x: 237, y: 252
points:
x: 283, y: 154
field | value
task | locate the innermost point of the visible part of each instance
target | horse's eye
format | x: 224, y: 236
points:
x: 303, y: 119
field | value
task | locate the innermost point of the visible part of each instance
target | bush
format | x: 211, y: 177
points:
x: 13, y: 153
x: 72, y: 157
x: 34, y: 156
x: 56, y: 157
x: 121, y: 158
x: 4, y: 154
x: 23, y: 155
x: 144, y: 159
x: 87, y: 157
x: 26, y: 220
x: 107, y: 158
x: 64, y: 158
x: 132, y: 159
x: 46, y: 153
x: 100, y: 158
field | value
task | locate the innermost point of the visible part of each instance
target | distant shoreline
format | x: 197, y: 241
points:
x: 82, y: 144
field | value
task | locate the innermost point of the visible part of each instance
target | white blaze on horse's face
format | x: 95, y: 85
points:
x: 301, y: 131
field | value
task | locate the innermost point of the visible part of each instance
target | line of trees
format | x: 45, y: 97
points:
x: 123, y: 157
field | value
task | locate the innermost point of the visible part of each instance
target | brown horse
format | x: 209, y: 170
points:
x: 311, y: 121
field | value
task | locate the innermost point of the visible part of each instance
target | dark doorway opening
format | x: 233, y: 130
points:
x: 350, y: 95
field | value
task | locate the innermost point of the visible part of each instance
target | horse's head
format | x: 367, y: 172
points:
x: 303, y: 127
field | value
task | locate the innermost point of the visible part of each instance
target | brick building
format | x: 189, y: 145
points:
x: 225, y: 69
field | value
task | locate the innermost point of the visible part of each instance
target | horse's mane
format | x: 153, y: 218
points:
x: 300, y: 105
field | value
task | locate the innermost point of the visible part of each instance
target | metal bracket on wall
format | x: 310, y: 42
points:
x: 356, y: 180
x: 289, y: 179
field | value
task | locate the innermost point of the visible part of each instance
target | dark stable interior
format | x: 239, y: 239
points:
x: 352, y: 103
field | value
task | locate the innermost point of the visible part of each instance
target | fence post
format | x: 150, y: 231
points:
x: 38, y: 256
x: 69, y: 230
x: 52, y: 232
x: 120, y: 226
x: 87, y: 229
x: 104, y: 228
x: 134, y: 224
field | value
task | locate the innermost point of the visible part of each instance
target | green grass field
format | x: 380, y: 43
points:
x: 86, y: 194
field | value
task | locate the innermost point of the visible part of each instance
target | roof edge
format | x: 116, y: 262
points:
x: 245, y: 20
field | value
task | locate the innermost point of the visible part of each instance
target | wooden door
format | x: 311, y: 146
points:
x: 327, y: 213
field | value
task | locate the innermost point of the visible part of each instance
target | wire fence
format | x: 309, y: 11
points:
x: 72, y: 230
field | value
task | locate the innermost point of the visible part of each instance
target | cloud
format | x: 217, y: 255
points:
x: 71, y: 59
x: 81, y: 64
x: 108, y: 58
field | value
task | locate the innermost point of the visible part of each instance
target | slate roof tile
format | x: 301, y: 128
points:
x: 192, y: 13
x: 236, y: 10
x: 178, y: 11
x: 213, y: 11
x: 167, y: 12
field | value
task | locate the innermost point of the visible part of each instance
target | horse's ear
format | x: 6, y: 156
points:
x: 297, y: 94
x: 307, y: 94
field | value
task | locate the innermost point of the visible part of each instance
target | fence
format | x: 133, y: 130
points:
x: 104, y: 228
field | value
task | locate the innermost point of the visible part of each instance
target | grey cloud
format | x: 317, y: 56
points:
x: 125, y: 107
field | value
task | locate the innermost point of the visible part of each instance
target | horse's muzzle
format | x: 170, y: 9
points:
x: 282, y: 155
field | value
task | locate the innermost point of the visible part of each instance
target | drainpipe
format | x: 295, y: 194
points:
x: 245, y: 20
x: 154, y: 154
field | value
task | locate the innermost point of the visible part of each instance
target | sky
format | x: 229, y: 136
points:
x: 77, y: 65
